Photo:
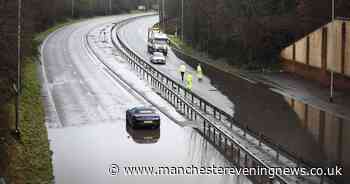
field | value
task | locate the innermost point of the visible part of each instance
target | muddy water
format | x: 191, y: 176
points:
x: 316, y: 136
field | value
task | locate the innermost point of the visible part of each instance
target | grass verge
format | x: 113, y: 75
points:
x: 29, y: 159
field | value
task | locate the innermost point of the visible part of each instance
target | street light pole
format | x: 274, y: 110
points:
x: 73, y: 4
x: 110, y: 7
x: 19, y: 52
x: 334, y: 54
x: 182, y: 20
x: 163, y: 14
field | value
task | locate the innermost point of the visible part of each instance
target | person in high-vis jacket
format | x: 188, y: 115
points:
x: 199, y: 72
x: 189, y: 81
x: 182, y: 71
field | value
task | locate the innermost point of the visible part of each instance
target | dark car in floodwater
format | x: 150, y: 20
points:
x: 142, y: 117
x: 143, y: 136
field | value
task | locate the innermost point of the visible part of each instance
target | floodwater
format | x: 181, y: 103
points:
x: 319, y: 137
x: 313, y: 135
x: 84, y: 154
x: 85, y: 109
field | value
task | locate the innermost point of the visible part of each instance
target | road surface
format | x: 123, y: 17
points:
x: 255, y: 104
x: 85, y: 116
x: 138, y: 42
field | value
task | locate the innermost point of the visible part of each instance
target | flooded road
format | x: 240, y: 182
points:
x: 314, y: 135
x: 85, y: 116
x: 84, y: 154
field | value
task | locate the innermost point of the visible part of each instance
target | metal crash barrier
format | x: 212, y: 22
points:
x: 198, y: 109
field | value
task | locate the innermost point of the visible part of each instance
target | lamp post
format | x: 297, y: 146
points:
x: 334, y: 54
x: 163, y: 14
x: 110, y: 7
x: 182, y: 20
x: 73, y: 4
x: 17, y: 87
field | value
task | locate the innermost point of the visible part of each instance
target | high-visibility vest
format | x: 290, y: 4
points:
x: 182, y: 68
x: 189, y: 81
x: 199, y: 71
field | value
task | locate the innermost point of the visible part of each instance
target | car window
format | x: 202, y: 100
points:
x: 145, y: 111
x: 158, y: 54
x: 161, y: 41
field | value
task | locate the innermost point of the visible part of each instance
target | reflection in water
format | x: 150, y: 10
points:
x: 143, y: 136
x: 329, y: 130
x: 202, y: 151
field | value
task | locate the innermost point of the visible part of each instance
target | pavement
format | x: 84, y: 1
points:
x: 85, y: 107
x: 309, y: 92
x: 258, y: 106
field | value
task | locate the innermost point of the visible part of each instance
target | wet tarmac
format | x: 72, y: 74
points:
x: 313, y: 135
x: 85, y: 111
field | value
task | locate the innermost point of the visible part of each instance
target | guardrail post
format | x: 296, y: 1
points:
x: 245, y: 131
x: 181, y: 108
x: 204, y: 127
x: 187, y: 110
x: 174, y: 100
x: 191, y: 114
x: 184, y: 107
x: 209, y: 132
x: 177, y: 102
x: 214, y: 135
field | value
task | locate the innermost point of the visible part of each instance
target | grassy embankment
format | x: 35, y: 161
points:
x: 29, y: 159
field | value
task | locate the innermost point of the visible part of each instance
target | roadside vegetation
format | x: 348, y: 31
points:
x: 247, y: 33
x: 28, y: 159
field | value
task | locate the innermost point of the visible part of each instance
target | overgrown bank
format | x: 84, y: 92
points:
x: 27, y: 160
x: 250, y: 33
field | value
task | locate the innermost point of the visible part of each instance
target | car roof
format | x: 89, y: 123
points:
x: 160, y: 36
x: 158, y: 54
x: 140, y: 108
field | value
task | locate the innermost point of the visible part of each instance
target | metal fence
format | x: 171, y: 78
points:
x: 178, y: 97
x: 198, y: 109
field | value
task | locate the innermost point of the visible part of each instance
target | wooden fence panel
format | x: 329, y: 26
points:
x: 316, y: 49
x: 334, y: 47
x: 300, y: 51
x: 347, y: 50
